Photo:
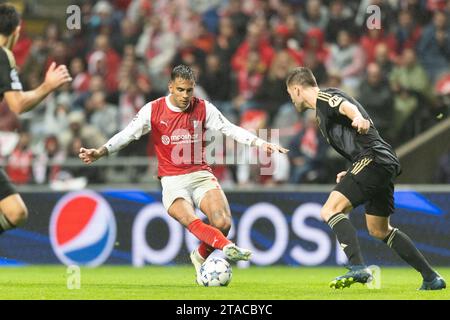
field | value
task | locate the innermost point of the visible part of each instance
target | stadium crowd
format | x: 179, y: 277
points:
x: 122, y: 56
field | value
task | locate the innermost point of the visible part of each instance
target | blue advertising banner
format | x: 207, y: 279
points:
x: 132, y: 227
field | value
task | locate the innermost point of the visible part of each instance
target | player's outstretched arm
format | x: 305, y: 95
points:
x: 216, y: 121
x: 23, y: 101
x: 90, y: 155
x: 139, y: 126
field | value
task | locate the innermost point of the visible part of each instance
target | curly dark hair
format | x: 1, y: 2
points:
x: 9, y: 19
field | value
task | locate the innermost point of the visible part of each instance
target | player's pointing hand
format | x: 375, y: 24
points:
x: 89, y: 155
x: 361, y: 125
x: 271, y: 148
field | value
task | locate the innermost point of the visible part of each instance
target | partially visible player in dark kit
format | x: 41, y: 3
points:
x: 13, y: 211
x: 370, y: 179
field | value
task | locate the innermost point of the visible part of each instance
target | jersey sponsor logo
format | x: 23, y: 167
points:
x: 15, y: 82
x: 82, y: 229
x: 165, y: 140
x: 334, y: 101
x: 185, y: 138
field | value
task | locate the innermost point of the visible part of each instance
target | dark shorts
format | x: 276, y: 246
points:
x: 370, y: 183
x: 6, y: 187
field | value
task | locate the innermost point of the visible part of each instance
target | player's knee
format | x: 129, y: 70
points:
x: 378, y: 233
x: 17, y: 215
x: 222, y: 221
x: 328, y: 211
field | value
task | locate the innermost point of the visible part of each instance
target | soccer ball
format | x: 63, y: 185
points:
x: 215, y: 272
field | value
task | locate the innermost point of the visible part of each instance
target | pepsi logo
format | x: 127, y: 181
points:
x: 82, y: 229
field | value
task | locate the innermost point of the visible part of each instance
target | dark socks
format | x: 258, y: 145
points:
x: 406, y: 249
x: 346, y: 235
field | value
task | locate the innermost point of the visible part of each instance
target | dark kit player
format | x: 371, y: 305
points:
x: 370, y: 180
x: 13, y: 211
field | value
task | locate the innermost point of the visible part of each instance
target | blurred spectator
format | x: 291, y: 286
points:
x: 382, y: 59
x: 226, y: 42
x: 255, y: 41
x: 411, y: 86
x: 341, y: 18
x: 188, y: 53
x: 248, y: 169
x: 282, y: 41
x: 307, y: 151
x: 102, y: 115
x: 315, y: 43
x: 348, y: 59
x: 56, y: 114
x: 96, y: 83
x: 47, y: 165
x: 376, y: 97
x: 204, y: 40
x: 37, y: 58
x: 157, y: 46
x: 271, y: 95
x: 139, y: 10
x: 104, y: 20
x: 249, y: 79
x: 407, y: 32
x: 217, y: 83
x: 23, y: 46
x: 105, y: 61
x: 92, y: 173
x: 79, y: 75
x: 239, y: 18
x: 318, y: 69
x: 433, y: 49
x: 19, y: 163
x: 315, y: 15
x: 374, y: 37
x: 78, y: 128
x: 129, y: 35
x: 134, y: 71
x: 131, y: 100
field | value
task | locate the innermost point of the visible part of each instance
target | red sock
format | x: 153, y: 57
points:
x: 208, y: 234
x: 204, y: 250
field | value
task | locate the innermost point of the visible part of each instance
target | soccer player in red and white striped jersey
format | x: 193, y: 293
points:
x: 178, y: 123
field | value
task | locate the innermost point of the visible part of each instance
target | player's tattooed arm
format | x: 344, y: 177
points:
x: 361, y: 124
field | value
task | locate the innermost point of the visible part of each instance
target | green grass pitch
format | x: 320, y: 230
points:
x: 177, y: 283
